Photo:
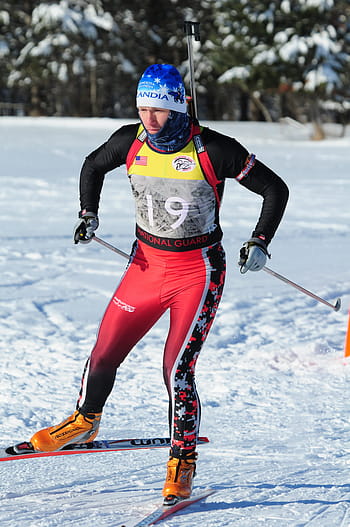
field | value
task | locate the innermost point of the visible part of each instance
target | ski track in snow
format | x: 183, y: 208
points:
x: 272, y: 378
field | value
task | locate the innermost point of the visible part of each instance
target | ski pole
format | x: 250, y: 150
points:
x: 336, y: 306
x: 111, y: 247
x: 191, y: 29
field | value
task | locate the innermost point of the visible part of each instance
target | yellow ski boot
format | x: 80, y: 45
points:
x: 179, y: 478
x: 77, y: 428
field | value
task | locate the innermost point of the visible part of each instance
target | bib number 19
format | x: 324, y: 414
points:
x: 175, y: 206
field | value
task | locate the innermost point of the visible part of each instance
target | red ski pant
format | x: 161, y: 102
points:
x: 190, y: 285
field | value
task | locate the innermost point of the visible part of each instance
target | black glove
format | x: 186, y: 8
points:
x: 85, y: 227
x: 253, y: 254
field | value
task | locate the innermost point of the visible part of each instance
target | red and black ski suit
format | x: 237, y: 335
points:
x: 177, y: 261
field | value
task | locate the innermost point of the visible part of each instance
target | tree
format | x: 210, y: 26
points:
x: 256, y: 60
x: 65, y: 42
x: 289, y: 47
x: 80, y: 57
x: 153, y: 32
x: 14, y: 18
x: 312, y: 54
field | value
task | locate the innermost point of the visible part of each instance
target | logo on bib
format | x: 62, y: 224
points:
x: 184, y: 163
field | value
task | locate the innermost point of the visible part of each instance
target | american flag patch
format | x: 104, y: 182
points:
x: 141, y: 160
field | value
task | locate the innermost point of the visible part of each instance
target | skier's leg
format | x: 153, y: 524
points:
x: 125, y: 322
x: 192, y: 313
x: 133, y: 310
x: 129, y: 315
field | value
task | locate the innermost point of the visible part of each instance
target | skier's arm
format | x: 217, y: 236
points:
x: 231, y: 160
x: 274, y: 191
x: 263, y: 181
x: 107, y: 157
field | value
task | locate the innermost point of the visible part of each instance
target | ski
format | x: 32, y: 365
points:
x: 25, y: 450
x: 164, y: 511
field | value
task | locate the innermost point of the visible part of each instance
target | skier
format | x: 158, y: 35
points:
x: 177, y: 172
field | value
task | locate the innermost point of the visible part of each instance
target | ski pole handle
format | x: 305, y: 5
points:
x: 336, y: 306
x: 191, y: 29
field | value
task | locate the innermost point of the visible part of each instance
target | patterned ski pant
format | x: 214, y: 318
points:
x: 190, y: 284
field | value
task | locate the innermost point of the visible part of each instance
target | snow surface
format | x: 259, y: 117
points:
x: 272, y: 378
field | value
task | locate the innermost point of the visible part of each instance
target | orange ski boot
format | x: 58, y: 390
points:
x: 77, y: 428
x: 179, y: 477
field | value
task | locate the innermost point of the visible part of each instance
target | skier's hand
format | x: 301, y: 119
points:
x: 253, y: 254
x: 85, y: 227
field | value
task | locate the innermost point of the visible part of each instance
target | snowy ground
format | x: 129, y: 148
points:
x: 272, y: 378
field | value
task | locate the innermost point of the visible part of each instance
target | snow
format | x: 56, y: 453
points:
x: 71, y: 20
x: 272, y: 377
x: 326, y: 64
x: 323, y: 74
x: 267, y: 56
x: 237, y: 72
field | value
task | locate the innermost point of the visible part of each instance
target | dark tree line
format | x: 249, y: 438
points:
x: 256, y: 60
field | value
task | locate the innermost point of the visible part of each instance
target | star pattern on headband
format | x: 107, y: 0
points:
x: 163, y: 89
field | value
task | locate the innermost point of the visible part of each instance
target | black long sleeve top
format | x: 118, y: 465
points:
x: 228, y: 158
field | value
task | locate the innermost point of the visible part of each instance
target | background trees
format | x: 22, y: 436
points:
x: 256, y: 60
